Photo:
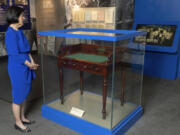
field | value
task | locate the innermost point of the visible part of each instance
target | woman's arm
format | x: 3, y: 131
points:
x: 30, y: 65
x: 31, y: 58
x: 35, y: 66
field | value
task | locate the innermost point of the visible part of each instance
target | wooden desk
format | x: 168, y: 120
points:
x: 96, y: 59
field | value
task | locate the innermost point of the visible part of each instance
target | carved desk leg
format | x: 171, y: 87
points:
x: 123, y: 83
x: 81, y: 82
x: 61, y: 84
x: 104, y: 97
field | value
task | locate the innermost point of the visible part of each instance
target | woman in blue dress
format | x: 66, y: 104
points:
x: 20, y: 65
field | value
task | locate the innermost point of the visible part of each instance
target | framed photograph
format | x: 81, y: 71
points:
x: 161, y: 36
x: 158, y: 35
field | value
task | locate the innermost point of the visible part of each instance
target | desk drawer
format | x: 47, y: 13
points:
x: 70, y: 64
x: 86, y: 67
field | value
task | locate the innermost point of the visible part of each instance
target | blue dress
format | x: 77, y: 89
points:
x: 21, y: 76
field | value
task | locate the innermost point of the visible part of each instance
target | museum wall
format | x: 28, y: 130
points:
x: 168, y: 10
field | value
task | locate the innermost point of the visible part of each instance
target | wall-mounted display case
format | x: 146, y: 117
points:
x: 94, y: 79
x: 94, y: 17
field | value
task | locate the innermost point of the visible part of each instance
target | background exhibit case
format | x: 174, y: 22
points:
x: 94, y: 17
x: 94, y: 79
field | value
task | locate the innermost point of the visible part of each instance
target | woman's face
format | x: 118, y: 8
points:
x: 21, y: 20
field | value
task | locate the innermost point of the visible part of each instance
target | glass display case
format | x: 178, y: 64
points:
x: 91, y: 76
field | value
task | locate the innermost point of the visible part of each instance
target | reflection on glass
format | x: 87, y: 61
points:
x: 162, y: 35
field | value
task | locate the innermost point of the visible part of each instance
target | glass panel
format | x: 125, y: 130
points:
x: 127, y: 76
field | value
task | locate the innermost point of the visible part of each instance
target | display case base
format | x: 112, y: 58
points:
x: 58, y: 113
x: 87, y: 128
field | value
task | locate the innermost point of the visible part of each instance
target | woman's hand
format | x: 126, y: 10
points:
x: 34, y: 66
x: 31, y: 65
